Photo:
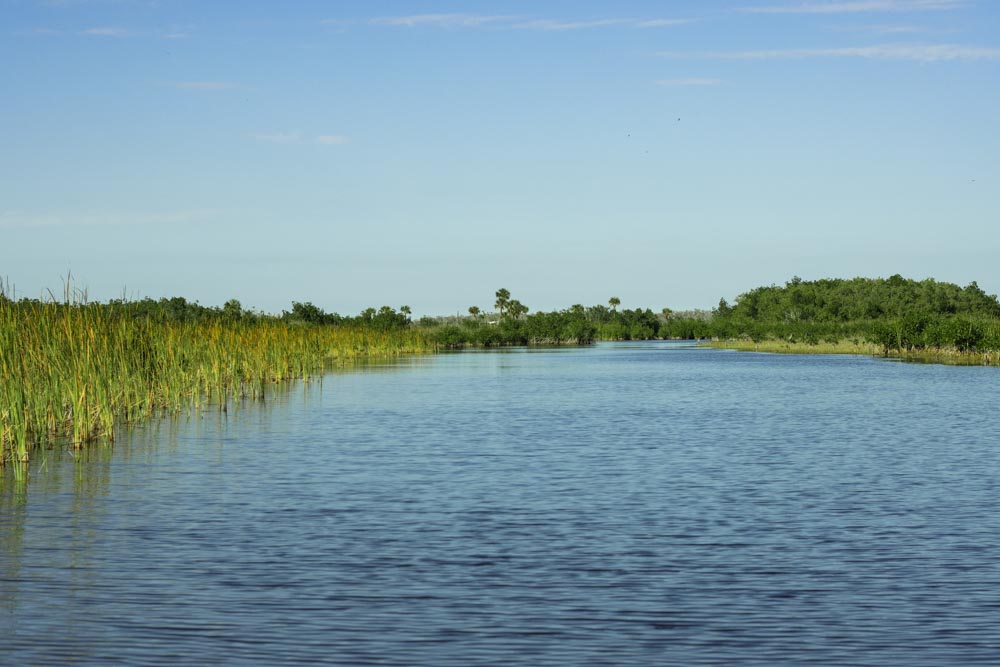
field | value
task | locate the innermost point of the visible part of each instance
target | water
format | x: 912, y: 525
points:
x: 619, y: 505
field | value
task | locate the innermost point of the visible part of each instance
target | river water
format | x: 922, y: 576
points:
x: 624, y: 504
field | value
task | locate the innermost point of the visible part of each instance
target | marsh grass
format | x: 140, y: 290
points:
x: 948, y: 356
x: 76, y: 371
x: 786, y: 347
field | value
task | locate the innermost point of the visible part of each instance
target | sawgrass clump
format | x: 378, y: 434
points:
x: 77, y: 370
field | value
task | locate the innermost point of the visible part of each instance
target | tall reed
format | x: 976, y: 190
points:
x: 76, y: 370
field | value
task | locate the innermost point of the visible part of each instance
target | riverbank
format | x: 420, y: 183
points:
x: 937, y: 356
x: 75, y: 372
x: 786, y: 347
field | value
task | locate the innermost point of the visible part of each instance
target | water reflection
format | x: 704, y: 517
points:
x: 13, y: 514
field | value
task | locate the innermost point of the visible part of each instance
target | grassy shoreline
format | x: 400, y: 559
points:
x: 786, y: 347
x: 946, y: 356
x: 76, y: 372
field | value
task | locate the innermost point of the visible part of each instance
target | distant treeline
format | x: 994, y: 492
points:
x: 576, y: 325
x: 895, y: 313
x: 512, y: 324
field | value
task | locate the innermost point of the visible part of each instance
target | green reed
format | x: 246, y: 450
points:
x: 943, y: 355
x: 76, y: 370
x: 787, y: 347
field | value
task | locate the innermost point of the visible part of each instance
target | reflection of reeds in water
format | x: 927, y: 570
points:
x: 75, y: 371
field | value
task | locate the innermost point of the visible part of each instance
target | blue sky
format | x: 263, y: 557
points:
x: 357, y: 154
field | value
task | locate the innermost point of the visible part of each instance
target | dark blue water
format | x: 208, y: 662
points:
x: 641, y: 504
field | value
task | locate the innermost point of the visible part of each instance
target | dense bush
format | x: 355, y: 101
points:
x: 894, y: 313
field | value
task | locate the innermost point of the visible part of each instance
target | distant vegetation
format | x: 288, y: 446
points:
x: 893, y: 315
x: 72, y: 369
x: 513, y: 324
x: 179, y: 309
x: 896, y: 314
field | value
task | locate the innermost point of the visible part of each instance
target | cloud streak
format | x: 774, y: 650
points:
x: 39, y: 31
x: 439, y: 20
x: 913, y: 52
x: 205, y: 85
x: 107, y: 32
x: 689, y: 81
x: 283, y: 138
x: 561, y: 26
x: 23, y: 220
x: 508, y: 22
x: 104, y: 31
x: 854, y: 6
x: 660, y: 23
x: 77, y: 3
x: 332, y: 140
x: 882, y: 29
x: 293, y: 138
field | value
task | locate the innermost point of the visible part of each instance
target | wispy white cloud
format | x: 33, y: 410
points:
x: 38, y: 31
x: 916, y: 52
x: 660, y: 23
x: 25, y: 220
x: 882, y: 29
x: 339, y: 23
x: 852, y: 6
x: 439, y: 20
x: 290, y: 138
x: 507, y: 22
x: 689, y: 81
x: 559, y: 26
x: 75, y: 3
x: 107, y: 32
x: 332, y: 139
x: 279, y: 137
x: 6, y: 217
x: 204, y: 85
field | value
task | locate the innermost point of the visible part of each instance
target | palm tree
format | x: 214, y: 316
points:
x: 474, y: 311
x: 614, y: 302
x: 515, y: 309
x: 503, y: 298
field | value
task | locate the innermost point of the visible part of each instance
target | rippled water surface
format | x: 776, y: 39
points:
x: 645, y: 504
